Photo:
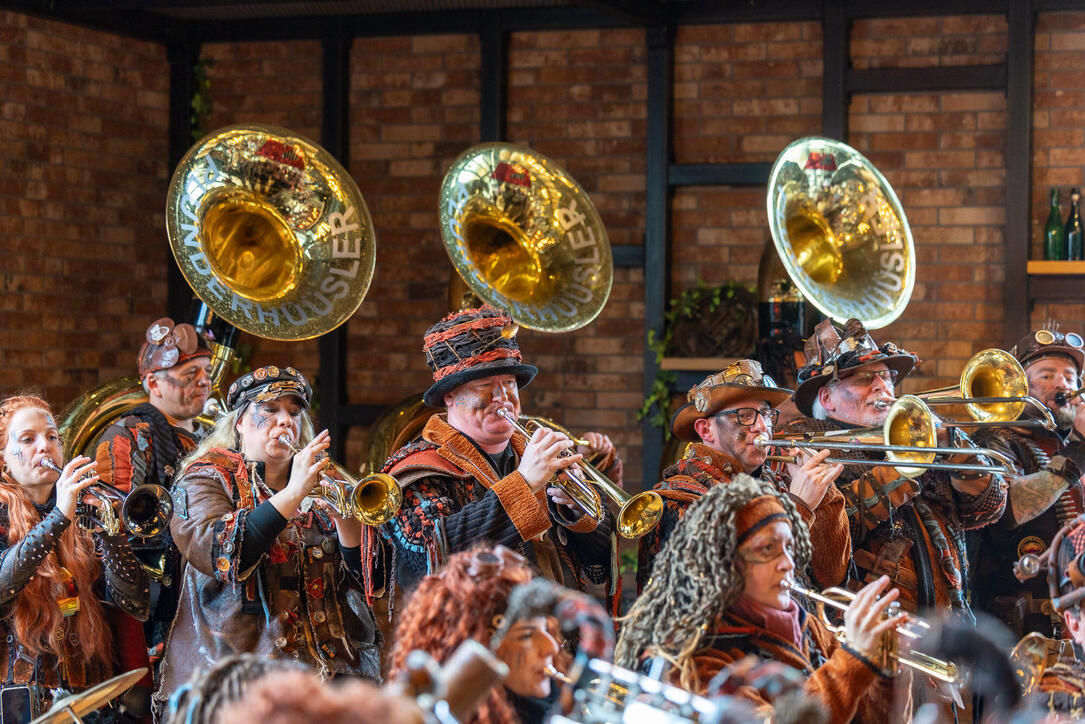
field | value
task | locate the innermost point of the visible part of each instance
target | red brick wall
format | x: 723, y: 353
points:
x: 578, y: 98
x: 83, y: 117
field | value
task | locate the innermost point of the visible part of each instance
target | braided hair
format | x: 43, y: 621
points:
x: 207, y: 691
x: 696, y: 578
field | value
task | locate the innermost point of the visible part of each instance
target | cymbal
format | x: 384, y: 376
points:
x: 92, y: 699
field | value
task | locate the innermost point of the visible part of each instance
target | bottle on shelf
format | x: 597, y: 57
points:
x: 1054, y: 234
x: 1073, y: 228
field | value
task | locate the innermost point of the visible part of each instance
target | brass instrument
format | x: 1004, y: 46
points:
x: 616, y: 693
x: 604, y: 693
x: 273, y: 236
x: 1061, y: 398
x: 638, y: 513
x: 525, y: 237
x: 908, y: 438
x: 1035, y: 653
x: 994, y: 390
x: 145, y: 510
x: 912, y: 628
x: 841, y: 232
x: 373, y: 500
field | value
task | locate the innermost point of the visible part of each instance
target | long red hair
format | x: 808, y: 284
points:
x: 453, y: 605
x: 35, y: 615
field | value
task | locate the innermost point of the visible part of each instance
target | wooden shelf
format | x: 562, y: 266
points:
x: 697, y: 364
x: 1056, y: 267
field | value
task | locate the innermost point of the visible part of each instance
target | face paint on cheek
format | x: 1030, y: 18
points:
x: 260, y: 420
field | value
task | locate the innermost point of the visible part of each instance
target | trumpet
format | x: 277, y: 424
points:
x: 638, y: 513
x: 145, y: 511
x: 912, y: 628
x: 373, y: 500
x: 908, y: 439
x: 616, y: 693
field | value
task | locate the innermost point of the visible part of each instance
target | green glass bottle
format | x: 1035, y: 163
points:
x: 1054, y: 235
x: 1073, y: 229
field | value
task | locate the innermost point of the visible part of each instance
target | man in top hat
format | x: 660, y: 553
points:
x: 144, y: 445
x: 1047, y: 492
x: 471, y: 477
x: 726, y: 413
x: 909, y: 530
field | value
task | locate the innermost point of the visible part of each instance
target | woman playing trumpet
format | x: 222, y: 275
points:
x: 721, y: 589
x: 52, y: 583
x: 267, y: 572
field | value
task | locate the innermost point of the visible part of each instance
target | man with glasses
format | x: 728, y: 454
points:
x: 910, y: 530
x: 145, y: 445
x: 1047, y: 492
x: 724, y: 416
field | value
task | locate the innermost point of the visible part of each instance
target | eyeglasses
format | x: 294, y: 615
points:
x: 1048, y: 336
x: 746, y: 416
x: 768, y: 552
x: 866, y: 379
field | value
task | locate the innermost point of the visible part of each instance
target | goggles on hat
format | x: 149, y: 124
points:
x: 1044, y: 337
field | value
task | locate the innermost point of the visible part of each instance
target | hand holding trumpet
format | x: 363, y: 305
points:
x: 811, y: 476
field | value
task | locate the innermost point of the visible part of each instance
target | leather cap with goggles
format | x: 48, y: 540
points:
x: 1050, y: 343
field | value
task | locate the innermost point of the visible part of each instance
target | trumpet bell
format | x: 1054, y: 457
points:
x: 147, y: 510
x: 271, y: 232
x: 841, y: 232
x: 376, y: 499
x: 525, y: 237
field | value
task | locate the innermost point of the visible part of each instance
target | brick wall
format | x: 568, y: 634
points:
x: 83, y: 115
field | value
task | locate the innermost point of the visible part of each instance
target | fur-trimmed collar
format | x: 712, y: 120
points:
x: 458, y: 449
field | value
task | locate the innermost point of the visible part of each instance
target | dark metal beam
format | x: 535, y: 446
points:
x: 646, y: 12
x: 942, y: 78
x: 334, y: 136
x: 182, y: 53
x: 920, y: 8
x: 628, y: 256
x: 719, y: 174
x: 137, y: 24
x: 1018, y: 168
x: 659, y: 100
x: 835, y: 54
x: 494, y: 49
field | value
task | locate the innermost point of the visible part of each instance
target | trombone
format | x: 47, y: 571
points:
x: 1061, y: 398
x: 994, y: 390
x: 912, y: 628
x: 639, y: 513
x: 145, y: 511
x: 373, y: 500
x: 908, y: 438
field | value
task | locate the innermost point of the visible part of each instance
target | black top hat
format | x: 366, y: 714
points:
x: 468, y: 345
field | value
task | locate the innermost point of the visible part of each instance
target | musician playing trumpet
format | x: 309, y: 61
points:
x: 53, y: 586
x: 471, y: 478
x: 725, y: 415
x: 720, y: 590
x: 1045, y: 494
x: 269, y: 571
x: 909, y: 530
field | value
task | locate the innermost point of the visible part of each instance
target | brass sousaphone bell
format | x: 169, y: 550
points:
x: 271, y: 232
x: 525, y: 237
x: 841, y: 232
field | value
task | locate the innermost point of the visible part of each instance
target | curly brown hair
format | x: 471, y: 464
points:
x: 456, y: 604
x: 695, y: 578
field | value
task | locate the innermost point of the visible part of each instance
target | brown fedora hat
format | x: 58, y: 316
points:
x: 741, y: 380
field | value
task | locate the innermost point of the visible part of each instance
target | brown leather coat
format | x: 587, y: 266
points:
x: 298, y: 600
